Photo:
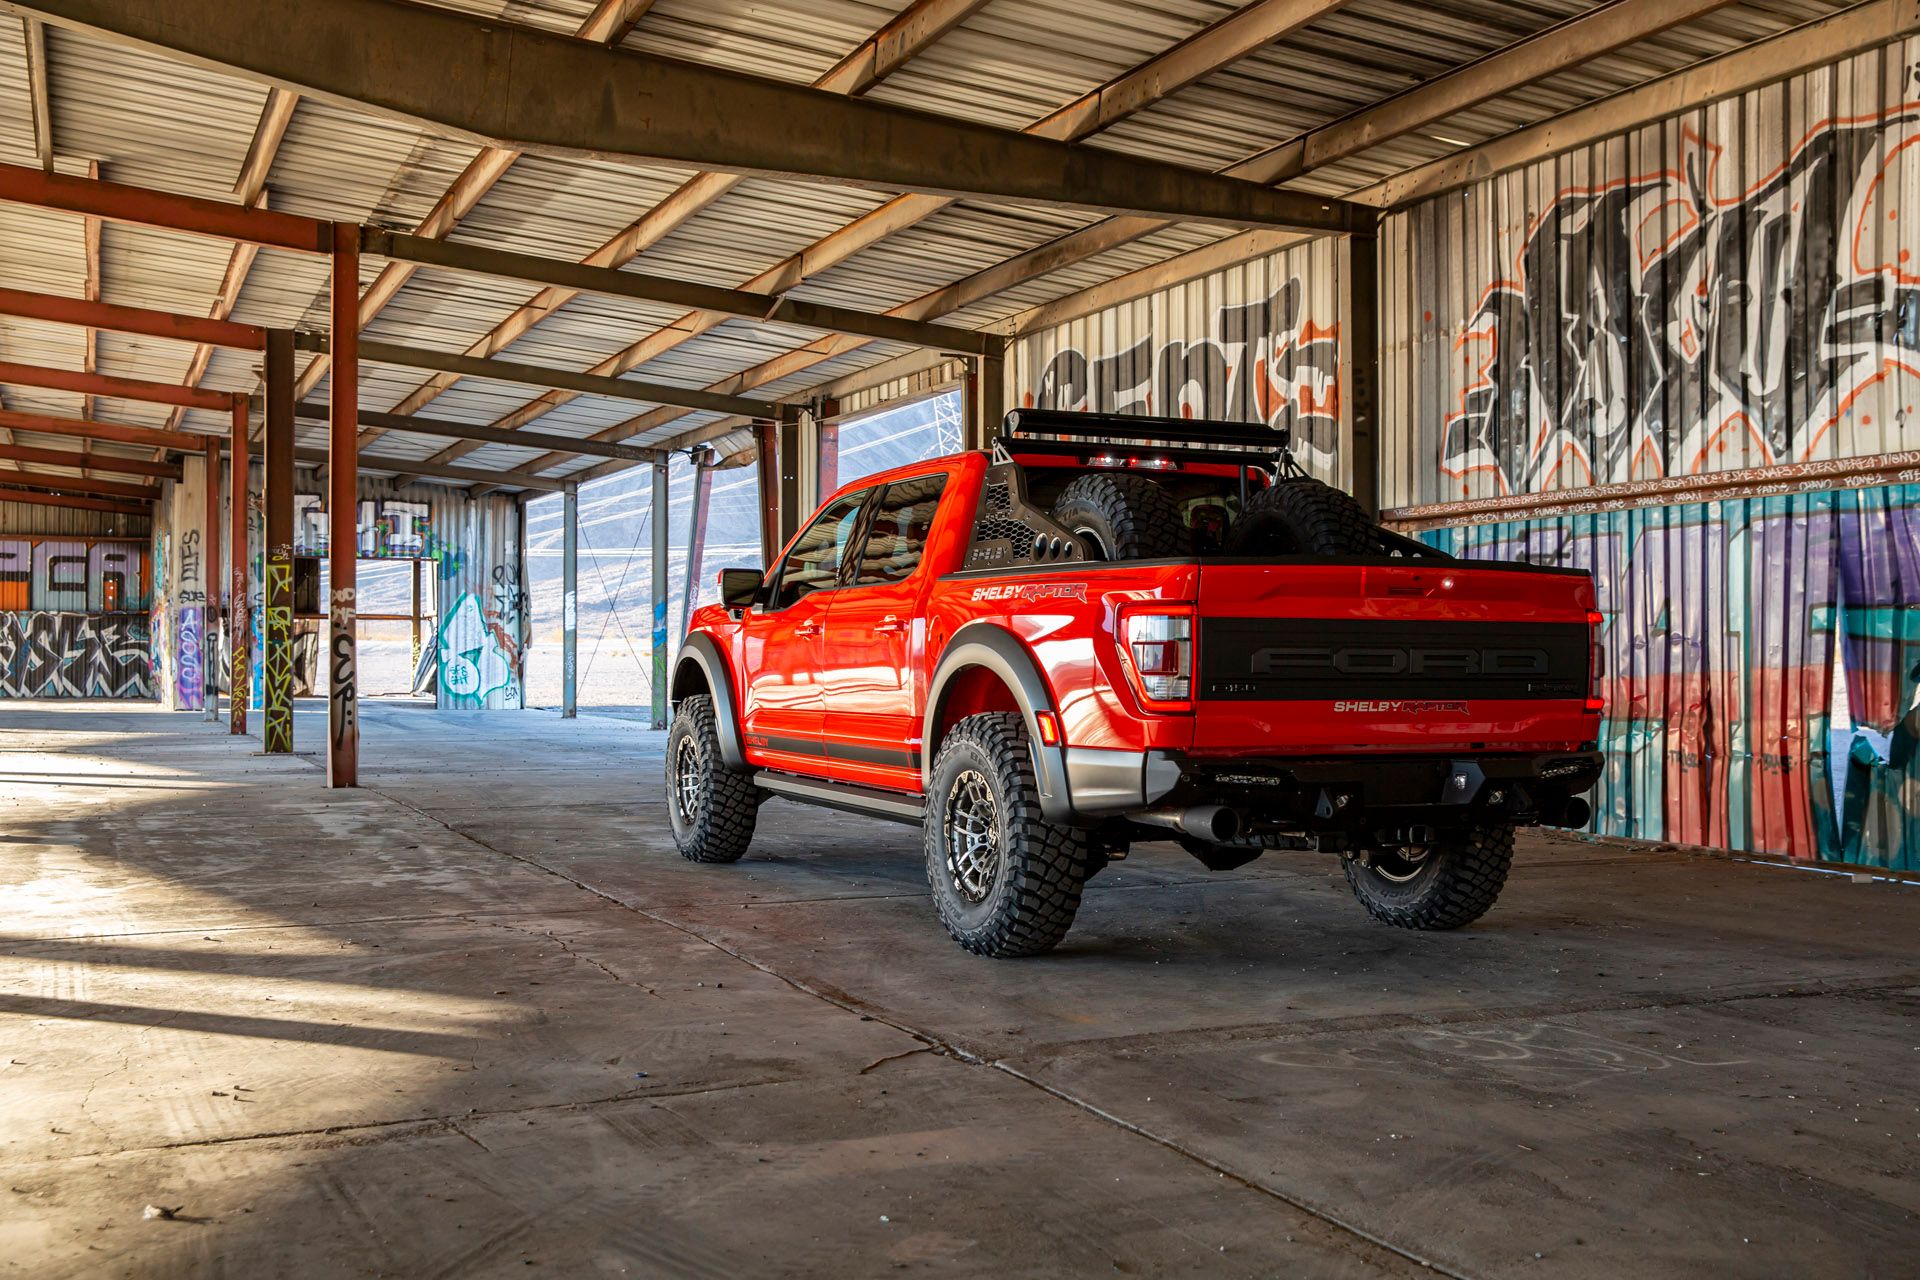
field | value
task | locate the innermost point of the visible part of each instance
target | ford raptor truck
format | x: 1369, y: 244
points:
x: 1114, y: 629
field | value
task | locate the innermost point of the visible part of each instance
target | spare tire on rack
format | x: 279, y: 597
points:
x: 1121, y: 517
x: 1299, y: 516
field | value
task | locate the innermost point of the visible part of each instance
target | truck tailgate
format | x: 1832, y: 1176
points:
x: 1339, y: 657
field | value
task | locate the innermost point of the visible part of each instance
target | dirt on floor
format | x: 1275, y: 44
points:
x: 477, y: 1018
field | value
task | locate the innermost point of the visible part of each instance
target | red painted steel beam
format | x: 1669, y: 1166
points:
x: 92, y: 429
x: 82, y: 484
x: 343, y: 513
x: 92, y: 461
x: 117, y: 202
x: 74, y: 504
x: 122, y: 319
x: 113, y: 388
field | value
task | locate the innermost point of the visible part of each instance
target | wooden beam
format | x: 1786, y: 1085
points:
x: 111, y: 387
x: 39, y: 104
x: 510, y: 86
x: 612, y: 20
x: 915, y: 28
x: 124, y: 319
x: 82, y: 484
x: 275, y: 115
x: 142, y: 207
x: 74, y: 503
x: 94, y: 461
x: 89, y: 429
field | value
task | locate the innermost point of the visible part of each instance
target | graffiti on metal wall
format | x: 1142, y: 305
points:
x: 1691, y: 319
x: 73, y: 576
x: 74, y: 655
x: 385, y: 527
x: 1721, y: 665
x: 1266, y: 361
x: 480, y: 650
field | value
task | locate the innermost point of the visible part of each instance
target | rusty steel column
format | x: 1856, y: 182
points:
x: 697, y: 534
x: 986, y: 399
x: 343, y: 512
x: 659, y: 594
x: 1360, y: 367
x: 827, y: 437
x: 210, y: 624
x: 239, y: 610
x: 766, y: 440
x: 276, y: 619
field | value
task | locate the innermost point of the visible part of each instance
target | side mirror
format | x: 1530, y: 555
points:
x: 739, y: 587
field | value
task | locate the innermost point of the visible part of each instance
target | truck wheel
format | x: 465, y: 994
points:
x: 1302, y: 518
x: 1121, y: 517
x: 710, y: 806
x: 1450, y: 883
x: 1005, y: 881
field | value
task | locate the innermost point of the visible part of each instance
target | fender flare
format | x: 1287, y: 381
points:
x: 702, y: 652
x: 984, y: 644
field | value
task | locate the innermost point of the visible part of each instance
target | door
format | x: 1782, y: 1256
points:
x: 783, y: 648
x: 875, y: 640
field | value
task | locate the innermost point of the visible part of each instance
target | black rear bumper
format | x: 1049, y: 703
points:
x: 1362, y: 795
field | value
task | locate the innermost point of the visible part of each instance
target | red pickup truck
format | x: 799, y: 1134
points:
x: 1114, y: 629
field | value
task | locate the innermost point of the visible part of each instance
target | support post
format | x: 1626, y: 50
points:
x: 276, y: 630
x: 343, y: 513
x: 828, y: 435
x: 1360, y: 368
x: 660, y: 497
x: 790, y: 512
x: 570, y: 603
x: 766, y: 439
x: 239, y: 610
x: 696, y: 533
x: 986, y: 393
x: 416, y: 616
x: 210, y: 622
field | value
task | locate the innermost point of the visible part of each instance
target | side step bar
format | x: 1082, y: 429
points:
x: 870, y: 801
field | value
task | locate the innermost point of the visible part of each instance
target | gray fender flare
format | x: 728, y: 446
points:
x: 982, y: 644
x: 702, y: 653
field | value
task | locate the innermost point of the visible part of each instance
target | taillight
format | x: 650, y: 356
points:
x: 1158, y: 654
x: 1596, y: 662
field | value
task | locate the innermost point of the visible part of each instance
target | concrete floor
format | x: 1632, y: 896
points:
x: 477, y: 1017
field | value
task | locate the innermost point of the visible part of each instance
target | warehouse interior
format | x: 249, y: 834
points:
x: 383, y: 387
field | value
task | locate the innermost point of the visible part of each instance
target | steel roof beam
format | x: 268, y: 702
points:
x: 609, y: 282
x: 92, y: 461
x: 112, y: 388
x: 73, y: 503
x: 115, y: 202
x: 486, y: 435
x: 510, y: 86
x: 88, y: 429
x: 409, y: 467
x: 82, y: 484
x: 123, y: 319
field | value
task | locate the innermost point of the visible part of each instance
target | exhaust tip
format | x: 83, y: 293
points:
x: 1577, y: 813
x: 1211, y: 822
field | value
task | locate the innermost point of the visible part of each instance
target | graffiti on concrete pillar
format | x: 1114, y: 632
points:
x: 342, y: 678
x: 72, y: 655
x: 188, y: 693
x: 277, y: 656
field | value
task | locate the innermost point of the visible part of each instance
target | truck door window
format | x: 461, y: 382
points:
x: 816, y: 558
x: 897, y: 533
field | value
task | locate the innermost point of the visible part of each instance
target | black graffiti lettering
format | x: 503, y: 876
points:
x: 52, y: 655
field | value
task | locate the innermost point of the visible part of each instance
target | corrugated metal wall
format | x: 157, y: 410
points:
x: 1256, y: 342
x: 1733, y: 287
x: 30, y: 519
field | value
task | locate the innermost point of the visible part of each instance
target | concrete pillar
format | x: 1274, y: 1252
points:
x: 343, y: 513
x: 239, y: 615
x: 570, y: 603
x: 276, y: 630
x: 210, y: 628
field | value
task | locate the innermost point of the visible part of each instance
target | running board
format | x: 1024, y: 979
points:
x: 870, y: 801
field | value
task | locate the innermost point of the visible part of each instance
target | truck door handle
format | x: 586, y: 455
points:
x: 890, y: 623
x: 807, y: 629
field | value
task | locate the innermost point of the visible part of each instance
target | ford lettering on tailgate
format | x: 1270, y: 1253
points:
x: 1320, y: 659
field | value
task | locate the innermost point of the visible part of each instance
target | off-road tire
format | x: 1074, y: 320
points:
x: 1035, y: 889
x: 716, y: 824
x: 1130, y: 517
x: 1299, y: 517
x: 1455, y: 884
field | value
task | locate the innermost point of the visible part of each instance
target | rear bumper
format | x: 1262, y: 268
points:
x: 1343, y: 793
